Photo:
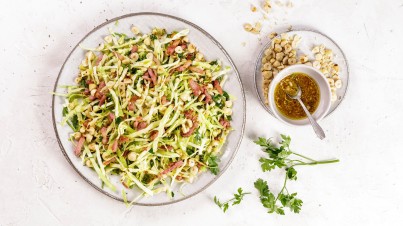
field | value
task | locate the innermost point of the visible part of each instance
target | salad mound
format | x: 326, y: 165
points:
x: 149, y: 108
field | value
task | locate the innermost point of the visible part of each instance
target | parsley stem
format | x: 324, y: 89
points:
x: 317, y: 162
x: 303, y: 156
x: 282, y: 189
x: 243, y: 194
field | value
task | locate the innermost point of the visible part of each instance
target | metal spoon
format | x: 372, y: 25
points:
x: 316, y: 127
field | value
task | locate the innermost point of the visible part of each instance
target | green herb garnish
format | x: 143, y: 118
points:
x: 238, y: 197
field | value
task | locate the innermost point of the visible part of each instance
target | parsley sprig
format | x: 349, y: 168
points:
x: 281, y: 157
x: 238, y: 197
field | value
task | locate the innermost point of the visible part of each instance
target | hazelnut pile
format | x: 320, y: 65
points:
x: 283, y: 52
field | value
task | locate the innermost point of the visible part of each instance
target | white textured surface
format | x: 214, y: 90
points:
x: 39, y: 187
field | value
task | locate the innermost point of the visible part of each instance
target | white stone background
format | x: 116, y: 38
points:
x: 39, y: 187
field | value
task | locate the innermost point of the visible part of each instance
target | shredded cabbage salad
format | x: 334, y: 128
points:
x: 149, y: 108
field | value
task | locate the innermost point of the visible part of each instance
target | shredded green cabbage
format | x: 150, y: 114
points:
x: 149, y: 110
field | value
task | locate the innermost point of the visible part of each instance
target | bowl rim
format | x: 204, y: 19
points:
x: 284, y: 73
x: 233, y: 66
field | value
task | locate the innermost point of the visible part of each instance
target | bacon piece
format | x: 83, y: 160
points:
x: 77, y: 150
x: 124, y: 184
x: 91, y: 98
x: 190, y: 56
x: 196, y: 70
x: 115, y: 146
x: 134, y: 49
x: 99, y: 59
x: 102, y: 100
x: 208, y: 97
x: 123, y: 139
x: 171, y: 48
x: 119, y: 56
x: 167, y: 147
x: 111, y: 117
x: 104, y: 135
x: 195, y: 87
x: 183, y: 46
x: 217, y: 86
x: 184, y: 66
x: 153, y: 76
x: 146, y: 76
x: 86, y: 91
x: 89, y: 82
x: 225, y: 123
x: 153, y: 135
x: 164, y: 100
x: 171, y: 167
x: 189, y: 114
x: 107, y: 162
x: 191, y: 130
x: 101, y: 86
x: 141, y: 125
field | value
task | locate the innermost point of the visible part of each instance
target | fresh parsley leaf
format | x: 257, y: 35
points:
x: 212, y: 163
x: 65, y: 111
x: 279, y: 156
x: 291, y: 173
x: 153, y: 37
x: 238, y: 197
x: 74, y: 122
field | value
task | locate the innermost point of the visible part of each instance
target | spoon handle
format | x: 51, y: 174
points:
x: 316, y: 127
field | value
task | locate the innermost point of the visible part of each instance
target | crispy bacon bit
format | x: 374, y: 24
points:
x: 130, y: 106
x: 125, y: 153
x: 225, y: 123
x: 141, y: 125
x: 124, y: 184
x: 184, y: 66
x: 171, y: 167
x: 101, y: 86
x: 85, y: 123
x: 196, y: 70
x: 208, y: 97
x: 111, y: 117
x: 102, y: 100
x: 104, y: 135
x: 123, y: 139
x: 146, y: 77
x: 183, y: 46
x: 107, y: 162
x: 91, y: 98
x: 167, y: 147
x: 99, y: 59
x: 134, y: 49
x: 77, y: 150
x: 190, y: 56
x: 189, y: 114
x: 153, y: 134
x: 115, y: 146
x: 179, y: 178
x: 157, y: 61
x: 120, y: 56
x: 164, y: 100
x: 171, y: 48
x: 89, y: 82
x: 217, y: 86
x: 195, y: 87
x: 153, y: 76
